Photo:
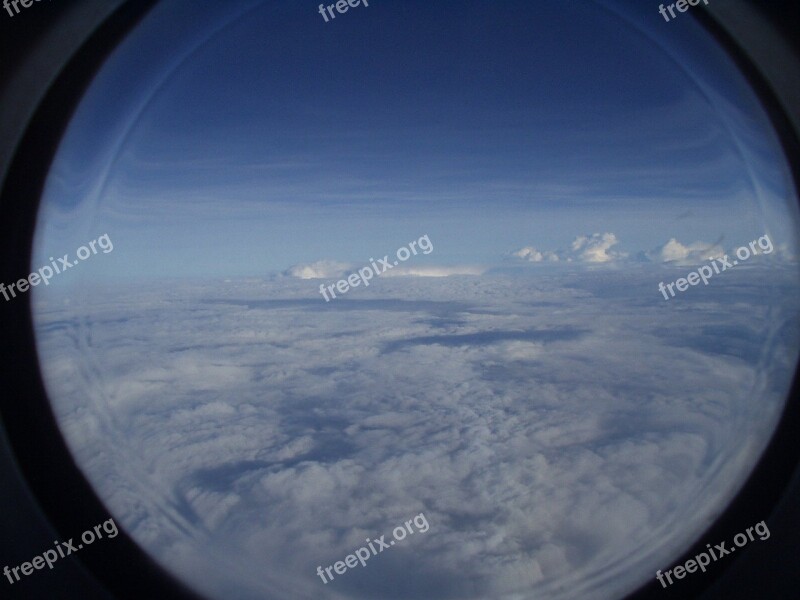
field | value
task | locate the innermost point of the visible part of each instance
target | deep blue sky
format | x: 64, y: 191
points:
x: 254, y: 136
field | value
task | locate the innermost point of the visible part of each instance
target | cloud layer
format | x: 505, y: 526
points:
x: 246, y: 434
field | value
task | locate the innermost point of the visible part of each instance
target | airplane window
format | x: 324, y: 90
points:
x: 421, y: 299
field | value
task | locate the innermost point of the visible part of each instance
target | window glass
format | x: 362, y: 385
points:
x: 497, y: 298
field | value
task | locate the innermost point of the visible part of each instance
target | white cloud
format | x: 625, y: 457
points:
x: 434, y: 271
x: 331, y: 269
x: 675, y: 252
x: 249, y: 439
x: 322, y: 269
x: 785, y: 252
x: 531, y: 254
x: 595, y: 248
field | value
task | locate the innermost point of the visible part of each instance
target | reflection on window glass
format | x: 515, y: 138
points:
x: 431, y: 300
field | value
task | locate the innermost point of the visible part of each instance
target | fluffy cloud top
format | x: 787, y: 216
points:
x: 675, y: 252
x: 595, y: 248
x: 322, y: 269
x: 531, y: 254
x: 598, y: 249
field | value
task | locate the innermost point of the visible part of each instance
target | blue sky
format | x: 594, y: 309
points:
x: 260, y: 137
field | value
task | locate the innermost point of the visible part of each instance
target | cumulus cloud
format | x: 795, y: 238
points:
x: 785, y: 252
x: 531, y: 254
x: 322, y: 269
x: 675, y: 252
x: 598, y: 248
x: 594, y: 248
